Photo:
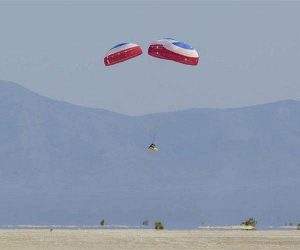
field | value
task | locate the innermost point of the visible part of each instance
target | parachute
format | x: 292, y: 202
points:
x: 167, y: 49
x: 122, y: 52
x: 173, y: 50
x: 170, y: 49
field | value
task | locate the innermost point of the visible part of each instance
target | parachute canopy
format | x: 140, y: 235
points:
x: 122, y: 52
x: 170, y: 49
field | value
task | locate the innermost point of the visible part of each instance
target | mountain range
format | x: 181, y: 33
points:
x: 65, y: 164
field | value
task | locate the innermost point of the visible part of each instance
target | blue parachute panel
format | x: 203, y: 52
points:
x: 183, y: 45
x: 120, y: 44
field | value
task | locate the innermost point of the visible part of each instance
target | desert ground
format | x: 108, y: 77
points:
x: 147, y: 239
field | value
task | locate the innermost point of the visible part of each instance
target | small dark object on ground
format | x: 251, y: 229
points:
x: 159, y: 225
x: 102, y: 223
x: 250, y: 222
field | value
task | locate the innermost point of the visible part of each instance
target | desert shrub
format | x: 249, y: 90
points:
x: 102, y: 222
x: 250, y: 222
x: 158, y: 225
x: 298, y: 226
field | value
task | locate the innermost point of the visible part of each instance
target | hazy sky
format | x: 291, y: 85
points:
x: 249, y: 52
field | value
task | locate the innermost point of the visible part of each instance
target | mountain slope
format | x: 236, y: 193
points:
x: 66, y: 164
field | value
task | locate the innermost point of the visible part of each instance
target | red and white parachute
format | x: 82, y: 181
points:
x: 170, y: 49
x: 122, y: 52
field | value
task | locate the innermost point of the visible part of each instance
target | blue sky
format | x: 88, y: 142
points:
x: 249, y: 52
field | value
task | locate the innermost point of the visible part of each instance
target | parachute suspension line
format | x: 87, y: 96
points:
x: 153, y: 139
x: 158, y: 125
x: 153, y: 77
x: 155, y: 126
x: 172, y: 50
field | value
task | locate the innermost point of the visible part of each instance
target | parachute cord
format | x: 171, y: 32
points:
x: 156, y: 125
x: 153, y: 139
x: 151, y: 76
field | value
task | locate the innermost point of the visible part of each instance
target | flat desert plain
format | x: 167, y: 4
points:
x: 147, y: 239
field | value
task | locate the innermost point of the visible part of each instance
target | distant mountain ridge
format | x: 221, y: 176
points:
x: 65, y: 164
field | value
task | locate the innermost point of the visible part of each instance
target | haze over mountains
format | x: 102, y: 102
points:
x: 65, y: 164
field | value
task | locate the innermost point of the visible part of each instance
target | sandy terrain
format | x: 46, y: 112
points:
x: 147, y: 239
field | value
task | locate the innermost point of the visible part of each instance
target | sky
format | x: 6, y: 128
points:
x: 249, y: 52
